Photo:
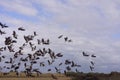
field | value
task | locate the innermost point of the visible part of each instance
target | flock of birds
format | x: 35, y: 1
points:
x: 27, y: 61
x: 91, y: 62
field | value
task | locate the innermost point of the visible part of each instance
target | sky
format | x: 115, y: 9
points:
x: 92, y: 25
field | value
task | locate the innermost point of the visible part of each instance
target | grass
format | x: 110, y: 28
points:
x: 69, y: 76
x: 33, y: 79
x: 12, y: 76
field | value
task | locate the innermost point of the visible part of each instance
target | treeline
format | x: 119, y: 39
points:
x: 94, y: 76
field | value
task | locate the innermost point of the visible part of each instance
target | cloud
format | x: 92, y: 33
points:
x: 20, y: 7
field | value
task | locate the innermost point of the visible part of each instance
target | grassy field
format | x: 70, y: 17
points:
x: 64, y: 78
x: 12, y: 76
x: 69, y: 76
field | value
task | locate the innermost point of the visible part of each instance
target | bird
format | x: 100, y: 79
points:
x: 21, y: 29
x: 17, y: 67
x: 3, y: 56
x: 49, y: 70
x: 13, y: 41
x: 49, y: 62
x: 38, y: 41
x: 25, y: 64
x: 76, y: 70
x: 59, y: 55
x: 31, y: 45
x: 60, y: 36
x: 7, y: 62
x: 2, y: 49
x: 8, y: 67
x: 42, y: 64
x: 8, y: 40
x: 67, y: 62
x: 57, y: 70
x: 84, y: 54
x: 68, y: 68
x: 92, y: 63
x: 43, y: 41
x: 91, y: 68
x: 49, y: 50
x: 2, y: 32
x: 47, y: 42
x: 73, y: 64
x: 10, y: 48
x: 14, y: 35
x: 3, y: 25
x: 35, y: 34
x: 70, y: 40
x: 93, y: 56
x: 60, y: 64
x: 66, y: 38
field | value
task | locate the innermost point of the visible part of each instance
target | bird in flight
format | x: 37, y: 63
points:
x: 14, y: 35
x: 91, y: 68
x: 21, y: 29
x: 60, y: 36
x: 2, y: 32
x: 93, y: 56
x: 84, y: 54
x: 3, y: 25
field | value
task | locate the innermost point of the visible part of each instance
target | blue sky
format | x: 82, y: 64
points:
x: 93, y: 25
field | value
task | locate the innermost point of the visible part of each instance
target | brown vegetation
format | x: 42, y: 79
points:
x: 22, y: 76
x: 68, y: 76
x: 94, y: 76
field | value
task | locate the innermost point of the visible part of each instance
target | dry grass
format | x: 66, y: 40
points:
x: 34, y: 78
x: 12, y: 76
x: 72, y: 76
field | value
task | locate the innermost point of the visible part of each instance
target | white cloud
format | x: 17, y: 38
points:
x: 22, y: 7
